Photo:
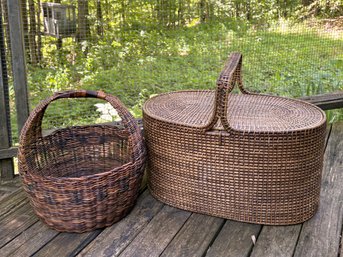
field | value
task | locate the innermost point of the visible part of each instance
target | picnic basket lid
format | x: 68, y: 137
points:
x: 247, y: 112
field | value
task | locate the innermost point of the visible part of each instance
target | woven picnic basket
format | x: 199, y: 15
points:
x: 82, y: 178
x: 247, y: 157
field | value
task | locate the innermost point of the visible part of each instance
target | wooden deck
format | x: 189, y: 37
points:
x: 155, y: 229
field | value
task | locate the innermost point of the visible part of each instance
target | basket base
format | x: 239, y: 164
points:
x: 84, y: 225
x: 242, y: 218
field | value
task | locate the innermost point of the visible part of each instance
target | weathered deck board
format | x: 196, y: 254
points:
x: 276, y: 241
x: 159, y: 232
x: 7, y: 187
x: 320, y: 236
x: 14, y: 224
x: 12, y: 202
x: 67, y: 244
x: 113, y: 240
x: 195, y: 236
x: 30, y: 241
x: 234, y: 240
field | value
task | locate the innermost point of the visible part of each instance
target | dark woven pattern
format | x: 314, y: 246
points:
x: 247, y: 157
x: 84, y: 177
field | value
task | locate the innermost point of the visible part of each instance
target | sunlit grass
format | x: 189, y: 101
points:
x: 286, y: 58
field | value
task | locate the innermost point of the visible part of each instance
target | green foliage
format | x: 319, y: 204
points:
x: 321, y: 8
x: 284, y: 58
x: 148, y: 47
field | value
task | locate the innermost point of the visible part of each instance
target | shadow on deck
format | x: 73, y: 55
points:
x: 155, y: 229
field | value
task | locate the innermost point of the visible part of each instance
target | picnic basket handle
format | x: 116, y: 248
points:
x: 228, y: 78
x: 32, y: 129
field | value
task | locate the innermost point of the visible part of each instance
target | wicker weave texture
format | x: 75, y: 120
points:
x: 247, y: 157
x: 84, y: 177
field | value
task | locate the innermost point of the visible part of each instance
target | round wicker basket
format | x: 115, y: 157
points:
x: 84, y: 177
x: 247, y: 157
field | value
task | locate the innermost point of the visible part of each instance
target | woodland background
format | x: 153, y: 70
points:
x: 135, y: 49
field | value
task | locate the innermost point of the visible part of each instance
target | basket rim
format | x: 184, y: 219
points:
x: 105, y: 124
x: 156, y: 117
x: 80, y: 178
x: 126, y: 165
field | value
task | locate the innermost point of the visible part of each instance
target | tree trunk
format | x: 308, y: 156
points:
x: 83, y: 30
x: 164, y: 10
x: 180, y: 13
x: 6, y: 27
x: 306, y: 2
x: 237, y: 8
x: 202, y: 10
x: 5, y: 24
x: 99, y: 26
x: 189, y: 11
x: 123, y: 13
x: 170, y: 14
x: 209, y: 10
x: 39, y: 34
x: 248, y: 10
x: 32, y: 33
x: 172, y: 9
x: 107, y: 15
x: 161, y: 12
x: 283, y: 8
x: 157, y: 10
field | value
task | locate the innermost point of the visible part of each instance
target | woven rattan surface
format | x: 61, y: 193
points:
x: 84, y: 177
x: 246, y: 157
x: 245, y: 112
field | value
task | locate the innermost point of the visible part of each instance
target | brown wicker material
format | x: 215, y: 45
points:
x: 247, y: 157
x: 84, y: 177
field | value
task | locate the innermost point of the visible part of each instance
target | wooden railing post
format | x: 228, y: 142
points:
x: 18, y: 62
x: 6, y: 164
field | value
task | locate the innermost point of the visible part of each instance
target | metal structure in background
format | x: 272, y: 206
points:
x: 59, y: 20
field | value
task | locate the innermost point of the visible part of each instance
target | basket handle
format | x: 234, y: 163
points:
x: 32, y: 128
x: 228, y: 78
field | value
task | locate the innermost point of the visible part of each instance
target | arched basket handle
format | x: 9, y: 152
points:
x: 229, y: 77
x: 32, y: 129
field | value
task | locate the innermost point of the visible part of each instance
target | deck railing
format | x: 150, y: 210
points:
x: 7, y: 152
